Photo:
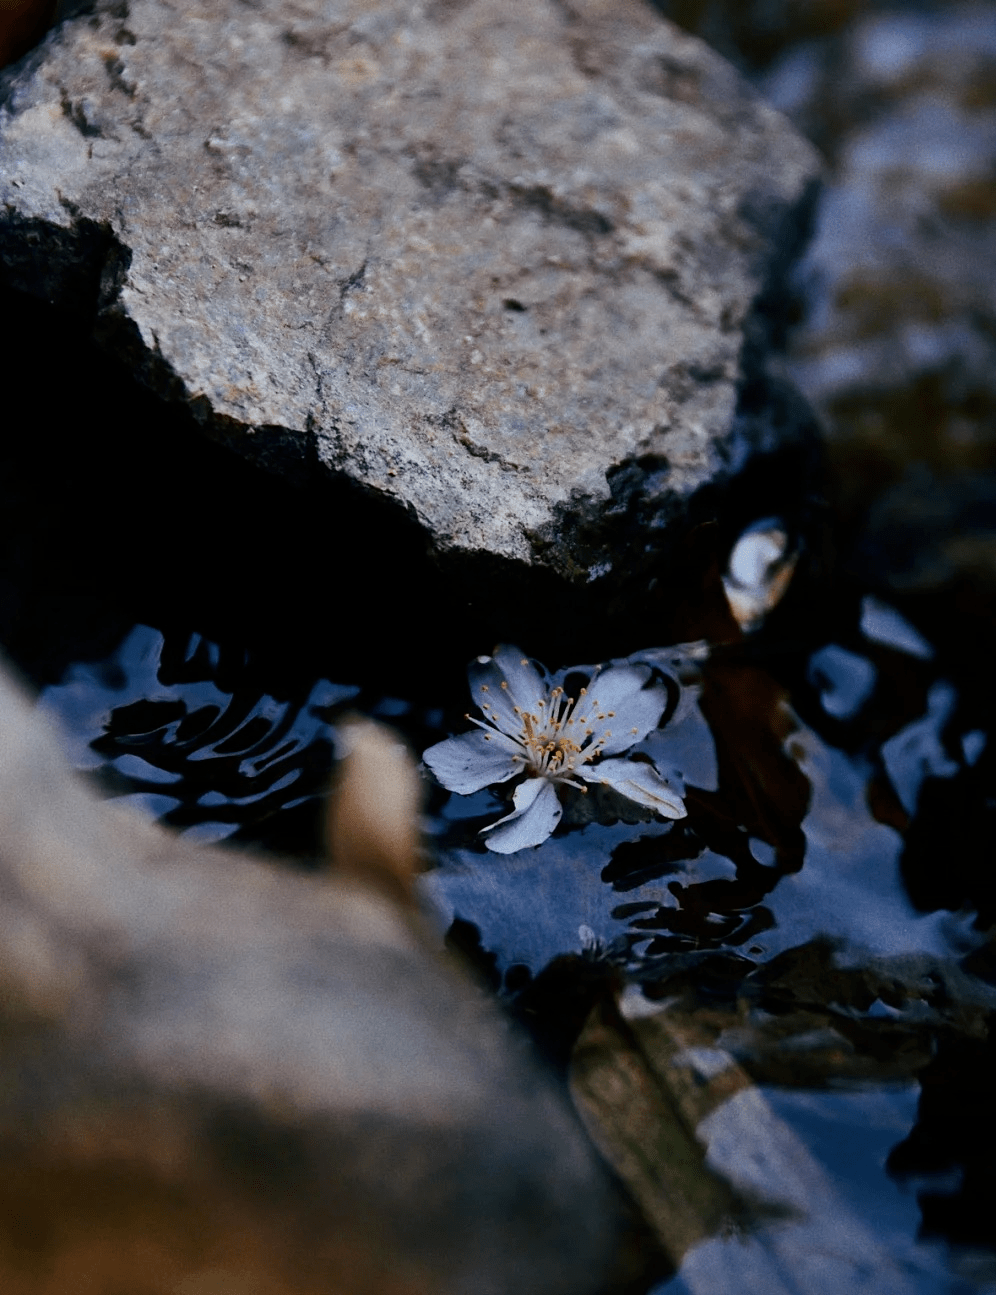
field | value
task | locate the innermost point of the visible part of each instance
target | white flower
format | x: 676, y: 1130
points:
x: 532, y: 727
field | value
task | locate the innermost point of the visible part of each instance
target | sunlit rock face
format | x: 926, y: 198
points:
x: 482, y: 259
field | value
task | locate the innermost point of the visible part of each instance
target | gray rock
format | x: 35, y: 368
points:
x: 223, y: 1075
x: 897, y: 344
x: 899, y: 281
x: 482, y: 259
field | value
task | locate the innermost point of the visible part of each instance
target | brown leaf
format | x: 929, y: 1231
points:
x: 642, y: 1118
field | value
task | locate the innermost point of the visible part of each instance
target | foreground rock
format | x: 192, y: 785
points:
x: 481, y: 259
x: 221, y: 1076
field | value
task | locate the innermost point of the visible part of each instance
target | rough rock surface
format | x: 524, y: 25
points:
x: 221, y: 1075
x: 482, y: 259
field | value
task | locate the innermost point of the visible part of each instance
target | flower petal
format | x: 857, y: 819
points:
x: 470, y: 761
x: 500, y: 683
x: 639, y: 781
x: 537, y: 812
x: 685, y: 747
x: 630, y: 709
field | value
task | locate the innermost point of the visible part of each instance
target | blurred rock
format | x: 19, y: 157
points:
x: 897, y: 343
x: 896, y: 318
x: 508, y: 267
x: 223, y: 1076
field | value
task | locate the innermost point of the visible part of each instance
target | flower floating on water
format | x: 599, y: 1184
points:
x: 532, y: 727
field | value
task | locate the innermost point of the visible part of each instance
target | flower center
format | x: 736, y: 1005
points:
x: 556, y: 738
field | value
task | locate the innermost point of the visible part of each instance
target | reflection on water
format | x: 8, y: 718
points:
x: 779, y: 914
x: 162, y: 733
x: 849, y: 1135
x: 172, y: 726
x: 793, y: 916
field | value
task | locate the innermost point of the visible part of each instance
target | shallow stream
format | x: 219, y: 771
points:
x: 824, y: 913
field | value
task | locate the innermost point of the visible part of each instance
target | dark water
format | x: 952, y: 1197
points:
x: 828, y: 903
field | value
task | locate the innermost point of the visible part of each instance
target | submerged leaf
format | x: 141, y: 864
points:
x: 726, y: 1184
x: 762, y: 787
x: 637, y: 1123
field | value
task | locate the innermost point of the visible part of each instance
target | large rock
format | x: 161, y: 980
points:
x: 497, y: 263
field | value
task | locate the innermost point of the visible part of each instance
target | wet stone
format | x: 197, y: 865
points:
x: 500, y: 265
